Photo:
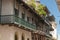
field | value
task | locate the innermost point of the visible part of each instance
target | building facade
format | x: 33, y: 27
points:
x: 19, y: 22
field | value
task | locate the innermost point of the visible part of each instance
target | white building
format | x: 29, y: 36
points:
x: 19, y: 22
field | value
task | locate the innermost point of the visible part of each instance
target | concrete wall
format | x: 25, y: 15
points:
x: 7, y: 7
x: 8, y: 33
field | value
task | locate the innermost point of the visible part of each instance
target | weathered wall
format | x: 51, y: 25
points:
x: 8, y: 33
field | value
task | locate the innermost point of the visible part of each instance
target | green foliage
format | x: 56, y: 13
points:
x: 39, y: 7
x: 31, y: 3
x: 40, y: 10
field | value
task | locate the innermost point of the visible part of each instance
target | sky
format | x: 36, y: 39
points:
x: 52, y: 6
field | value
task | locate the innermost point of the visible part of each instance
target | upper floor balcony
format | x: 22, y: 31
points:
x: 7, y: 19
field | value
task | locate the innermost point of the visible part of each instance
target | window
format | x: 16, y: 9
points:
x: 40, y: 37
x: 33, y: 36
x: 36, y: 23
x: 46, y: 30
x: 32, y: 20
x: 22, y: 37
x: 28, y: 19
x: 41, y: 27
x: 27, y: 38
x: 16, y: 38
x: 23, y: 16
x: 16, y: 12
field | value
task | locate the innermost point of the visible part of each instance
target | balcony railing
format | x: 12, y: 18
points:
x: 15, y: 19
x: 43, y: 33
x: 6, y: 19
x: 48, y: 35
x: 25, y: 23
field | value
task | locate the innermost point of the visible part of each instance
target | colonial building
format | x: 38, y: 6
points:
x: 18, y: 21
x: 58, y: 3
x: 53, y: 23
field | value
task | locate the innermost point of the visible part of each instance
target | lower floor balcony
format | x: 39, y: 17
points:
x: 43, y: 33
x: 6, y: 19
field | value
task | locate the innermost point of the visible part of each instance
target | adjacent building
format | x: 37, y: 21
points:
x: 18, y: 21
x: 58, y: 3
x: 54, y: 25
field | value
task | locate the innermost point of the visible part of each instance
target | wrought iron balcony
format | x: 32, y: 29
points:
x: 6, y: 19
x: 48, y: 35
x: 24, y: 23
x: 43, y: 33
x: 16, y: 20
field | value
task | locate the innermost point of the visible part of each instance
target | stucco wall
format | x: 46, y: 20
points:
x: 8, y: 33
x: 7, y: 7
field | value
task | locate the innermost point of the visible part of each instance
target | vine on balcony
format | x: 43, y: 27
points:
x: 38, y: 7
x: 31, y: 3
